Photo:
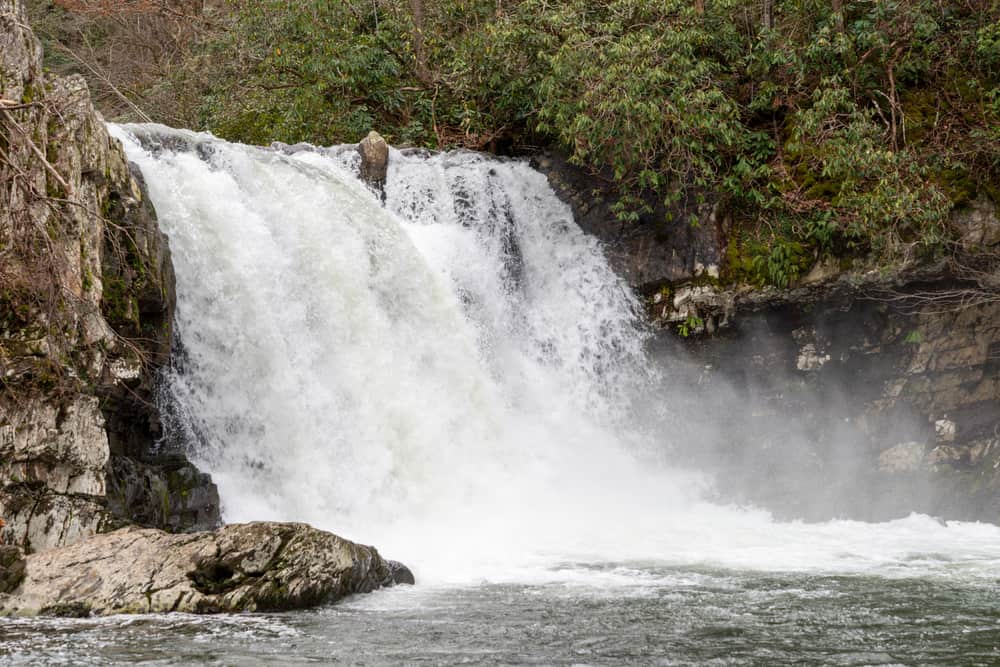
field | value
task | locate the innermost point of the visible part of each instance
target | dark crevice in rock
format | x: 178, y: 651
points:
x: 213, y: 576
x: 67, y: 610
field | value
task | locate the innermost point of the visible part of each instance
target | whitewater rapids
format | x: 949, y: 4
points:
x: 455, y: 376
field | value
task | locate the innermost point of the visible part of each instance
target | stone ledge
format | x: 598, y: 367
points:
x: 241, y: 567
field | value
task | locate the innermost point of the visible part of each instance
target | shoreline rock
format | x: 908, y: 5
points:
x: 251, y: 567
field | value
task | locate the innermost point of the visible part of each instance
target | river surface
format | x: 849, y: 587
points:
x: 625, y: 613
x: 453, y: 373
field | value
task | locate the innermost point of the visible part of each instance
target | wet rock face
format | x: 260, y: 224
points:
x: 12, y: 567
x: 665, y: 246
x: 853, y: 407
x: 243, y: 567
x: 86, y: 306
x: 53, y: 458
x: 168, y: 493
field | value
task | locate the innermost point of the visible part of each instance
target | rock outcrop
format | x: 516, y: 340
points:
x: 861, y: 389
x: 242, y: 567
x: 851, y: 403
x: 86, y: 307
x: 666, y: 245
x: 374, y: 153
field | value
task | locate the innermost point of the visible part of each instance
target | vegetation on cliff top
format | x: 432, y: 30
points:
x: 840, y: 127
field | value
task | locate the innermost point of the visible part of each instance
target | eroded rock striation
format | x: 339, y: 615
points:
x: 241, y: 567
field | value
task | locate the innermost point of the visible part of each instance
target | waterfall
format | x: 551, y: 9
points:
x: 455, y: 375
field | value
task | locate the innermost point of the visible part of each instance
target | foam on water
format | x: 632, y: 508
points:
x: 451, y: 376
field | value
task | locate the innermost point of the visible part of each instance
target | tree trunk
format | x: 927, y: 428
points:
x: 838, y: 10
x: 417, y: 10
x: 767, y: 18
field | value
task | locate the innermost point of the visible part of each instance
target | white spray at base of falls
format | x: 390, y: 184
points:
x: 448, y: 376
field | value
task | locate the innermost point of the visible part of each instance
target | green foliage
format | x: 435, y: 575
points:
x: 638, y: 87
x: 840, y: 160
x: 850, y: 133
x: 782, y: 264
x: 691, y: 324
x: 316, y: 71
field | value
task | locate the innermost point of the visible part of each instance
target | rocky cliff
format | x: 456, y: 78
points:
x: 667, y: 245
x: 86, y: 305
x: 848, y: 404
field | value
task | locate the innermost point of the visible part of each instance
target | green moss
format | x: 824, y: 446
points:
x: 29, y: 95
x: 135, y: 260
x: 920, y: 109
x: 957, y: 184
x: 991, y: 189
x: 740, y: 267
x: 180, y: 485
x: 107, y: 206
x: 117, y: 303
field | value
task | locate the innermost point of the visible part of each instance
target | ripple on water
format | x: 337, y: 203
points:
x: 670, y: 616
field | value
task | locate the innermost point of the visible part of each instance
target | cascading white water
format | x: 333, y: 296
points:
x: 449, y: 376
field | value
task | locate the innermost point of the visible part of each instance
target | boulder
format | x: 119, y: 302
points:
x: 374, y: 161
x: 241, y: 567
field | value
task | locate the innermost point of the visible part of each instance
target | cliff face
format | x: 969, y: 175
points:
x: 865, y: 392
x: 843, y: 405
x: 86, y: 304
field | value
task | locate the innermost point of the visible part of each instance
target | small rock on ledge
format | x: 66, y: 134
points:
x: 374, y: 162
x: 241, y: 567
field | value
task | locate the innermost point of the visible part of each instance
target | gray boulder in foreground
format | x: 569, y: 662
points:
x: 240, y: 567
